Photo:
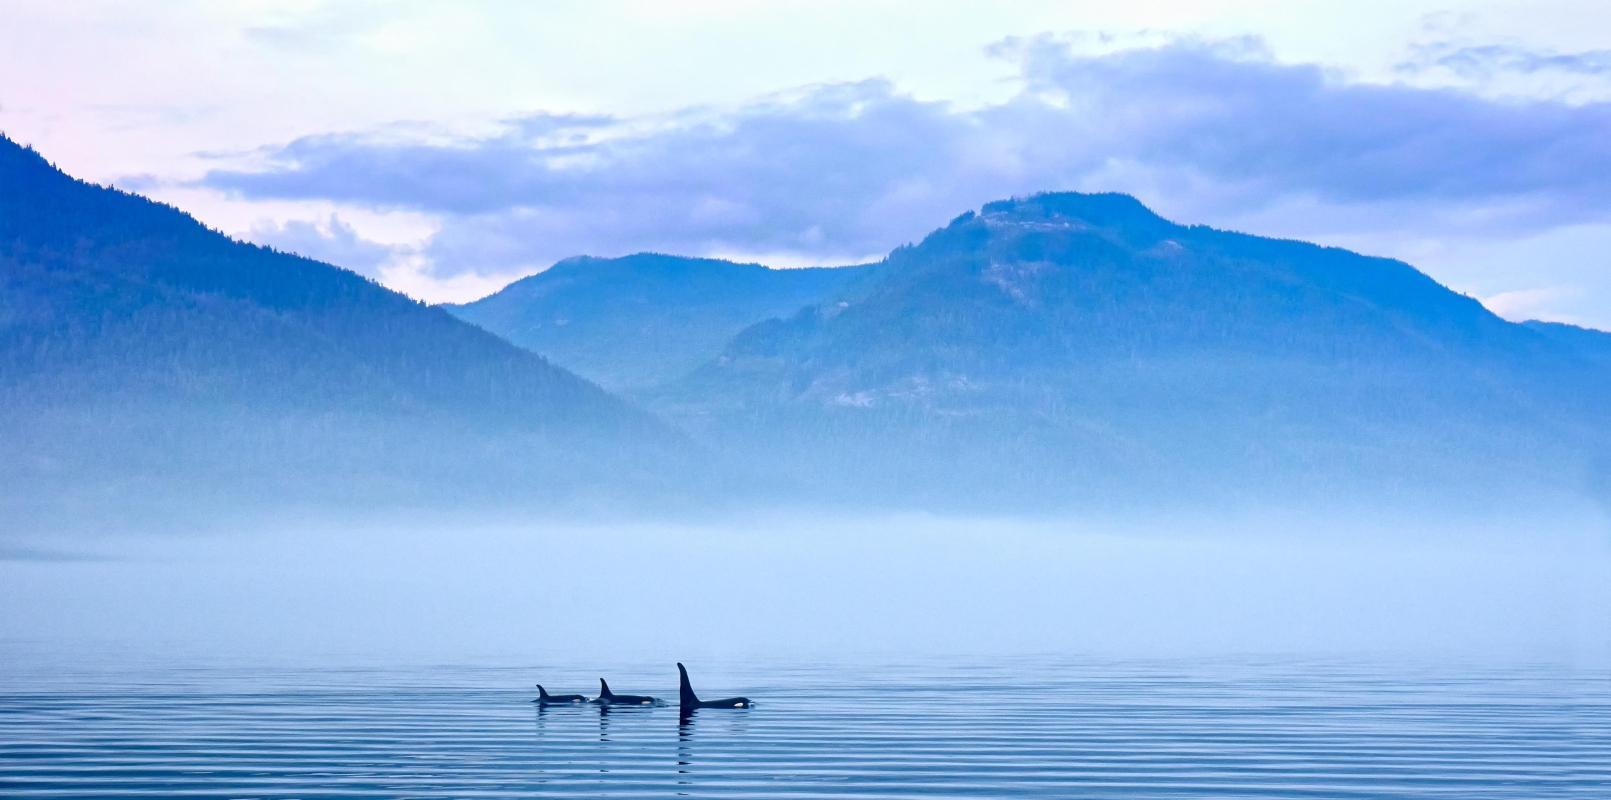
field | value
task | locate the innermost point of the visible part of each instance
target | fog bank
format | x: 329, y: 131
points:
x: 437, y: 591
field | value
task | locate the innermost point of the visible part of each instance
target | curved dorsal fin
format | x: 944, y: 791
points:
x: 685, y: 689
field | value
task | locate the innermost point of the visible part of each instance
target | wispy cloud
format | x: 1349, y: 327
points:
x: 332, y: 241
x: 1205, y: 129
x: 1488, y: 60
x: 1527, y: 303
x: 320, y: 27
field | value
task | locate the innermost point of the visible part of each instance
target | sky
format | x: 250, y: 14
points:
x: 446, y: 149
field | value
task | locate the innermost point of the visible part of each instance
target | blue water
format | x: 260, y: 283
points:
x: 1000, y: 727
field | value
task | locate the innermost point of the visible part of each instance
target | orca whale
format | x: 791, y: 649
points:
x: 688, y: 701
x: 608, y: 698
x: 546, y: 699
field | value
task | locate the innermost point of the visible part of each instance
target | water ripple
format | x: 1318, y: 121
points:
x: 1092, y: 730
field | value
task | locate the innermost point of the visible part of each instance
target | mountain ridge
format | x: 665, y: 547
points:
x: 1041, y: 353
x: 129, y: 330
x: 637, y: 320
x: 1083, y: 338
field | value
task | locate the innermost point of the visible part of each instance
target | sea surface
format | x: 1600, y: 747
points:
x: 990, y: 727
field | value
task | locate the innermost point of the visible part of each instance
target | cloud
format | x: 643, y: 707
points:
x: 1485, y: 61
x: 1261, y: 129
x: 1206, y: 130
x: 1524, y: 304
x: 332, y: 241
x: 319, y: 27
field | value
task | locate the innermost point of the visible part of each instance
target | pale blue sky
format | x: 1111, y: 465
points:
x: 448, y: 148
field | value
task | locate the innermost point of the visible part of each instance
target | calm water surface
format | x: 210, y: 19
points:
x: 1038, y: 727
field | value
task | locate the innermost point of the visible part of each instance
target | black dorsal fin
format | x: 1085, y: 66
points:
x: 604, y: 688
x: 541, y: 692
x: 685, y: 689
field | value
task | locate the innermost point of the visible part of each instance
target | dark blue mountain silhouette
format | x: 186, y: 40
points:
x: 1067, y: 348
x: 1048, y: 352
x: 1587, y: 342
x: 141, y: 351
x: 633, y: 322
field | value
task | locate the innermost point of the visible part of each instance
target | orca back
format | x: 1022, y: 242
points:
x: 688, y: 701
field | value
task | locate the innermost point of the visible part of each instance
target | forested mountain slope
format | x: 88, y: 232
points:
x: 1068, y: 348
x: 645, y: 319
x: 141, y: 353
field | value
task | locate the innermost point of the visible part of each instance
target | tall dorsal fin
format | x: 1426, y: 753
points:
x: 685, y: 689
x: 541, y: 692
x: 604, y: 688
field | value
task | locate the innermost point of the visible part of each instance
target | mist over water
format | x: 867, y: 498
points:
x: 889, y: 657
x: 439, y: 590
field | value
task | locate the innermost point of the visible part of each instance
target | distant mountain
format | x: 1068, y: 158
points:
x: 641, y: 320
x: 1587, y: 342
x: 144, y: 355
x: 1045, y: 353
x: 1068, y: 348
